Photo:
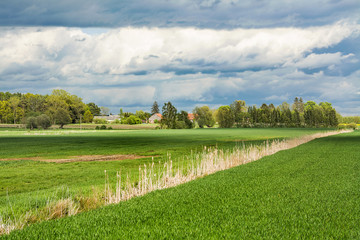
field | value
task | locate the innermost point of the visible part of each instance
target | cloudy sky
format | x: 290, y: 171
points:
x: 130, y: 53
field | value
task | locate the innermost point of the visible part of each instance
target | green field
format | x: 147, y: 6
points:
x: 308, y: 192
x: 27, y: 184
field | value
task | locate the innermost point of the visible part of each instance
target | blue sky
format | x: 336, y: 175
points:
x: 204, y: 52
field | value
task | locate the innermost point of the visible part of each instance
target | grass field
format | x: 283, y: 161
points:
x: 27, y: 184
x: 309, y: 192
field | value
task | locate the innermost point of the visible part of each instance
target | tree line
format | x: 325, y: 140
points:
x: 299, y: 114
x: 61, y: 107
x: 41, y: 111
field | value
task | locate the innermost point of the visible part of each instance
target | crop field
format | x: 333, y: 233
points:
x: 308, y: 192
x: 39, y: 167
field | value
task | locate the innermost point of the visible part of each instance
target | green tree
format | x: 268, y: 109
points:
x: 239, y: 109
x: 169, y: 115
x: 88, y: 117
x: 31, y: 123
x: 94, y: 109
x: 5, y: 112
x: 62, y: 117
x: 183, y: 117
x: 225, y: 117
x: 14, y: 103
x: 204, y: 116
x: 155, y: 108
x: 43, y: 121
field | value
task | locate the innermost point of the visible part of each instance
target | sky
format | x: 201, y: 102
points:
x: 128, y: 54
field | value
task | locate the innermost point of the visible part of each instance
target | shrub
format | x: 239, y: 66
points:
x: 109, y: 128
x: 180, y: 125
x: 97, y: 128
x: 100, y: 121
x: 132, y: 120
x: 31, y: 123
x: 103, y: 127
x: 43, y: 121
x: 352, y: 125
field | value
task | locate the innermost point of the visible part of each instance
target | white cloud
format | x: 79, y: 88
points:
x: 135, y: 66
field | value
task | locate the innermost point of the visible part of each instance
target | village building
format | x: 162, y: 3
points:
x: 109, y: 118
x: 156, y: 116
x: 191, y: 117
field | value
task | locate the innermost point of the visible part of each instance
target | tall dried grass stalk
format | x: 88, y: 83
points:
x: 211, y: 160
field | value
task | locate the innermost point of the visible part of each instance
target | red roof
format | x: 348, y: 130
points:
x: 191, y: 116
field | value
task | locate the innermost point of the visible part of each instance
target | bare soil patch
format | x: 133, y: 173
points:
x: 83, y: 158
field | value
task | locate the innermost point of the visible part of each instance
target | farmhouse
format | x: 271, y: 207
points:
x: 109, y: 118
x: 156, y: 116
x: 191, y: 117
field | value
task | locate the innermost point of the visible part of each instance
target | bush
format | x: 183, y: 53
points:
x: 109, y: 128
x: 100, y: 121
x: 103, y: 127
x: 31, y: 122
x: 43, y: 121
x: 132, y: 120
x: 97, y: 128
x: 180, y: 125
x: 352, y: 125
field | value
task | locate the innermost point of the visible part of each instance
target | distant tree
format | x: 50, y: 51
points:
x: 239, y: 110
x: 5, y: 111
x: 284, y: 107
x: 155, y: 108
x: 88, y: 117
x: 225, y: 117
x: 14, y: 103
x: 204, y: 116
x: 183, y: 116
x: 62, y: 117
x: 121, y: 112
x: 31, y: 123
x: 94, y: 109
x: 43, y: 121
x: 142, y: 115
x: 296, y: 118
x: 169, y: 115
x: 133, y: 120
x: 105, y: 111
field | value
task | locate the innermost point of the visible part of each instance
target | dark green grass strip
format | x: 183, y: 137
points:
x: 309, y: 192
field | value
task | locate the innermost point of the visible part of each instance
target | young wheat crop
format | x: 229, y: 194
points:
x: 207, y: 162
x: 156, y: 176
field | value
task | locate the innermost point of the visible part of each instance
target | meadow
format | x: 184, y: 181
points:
x: 308, y: 192
x: 28, y: 183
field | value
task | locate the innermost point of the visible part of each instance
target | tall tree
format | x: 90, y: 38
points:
x: 225, y: 117
x: 155, y: 108
x: 204, y: 116
x: 14, y: 103
x: 239, y: 110
x: 169, y: 115
x: 94, y: 109
x: 62, y: 117
x: 183, y: 116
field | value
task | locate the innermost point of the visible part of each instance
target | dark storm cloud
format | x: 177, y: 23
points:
x: 182, y: 13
